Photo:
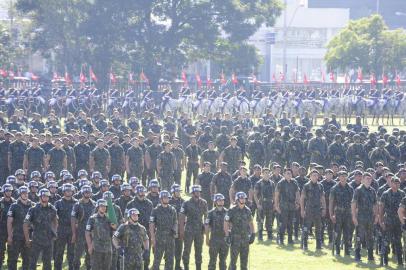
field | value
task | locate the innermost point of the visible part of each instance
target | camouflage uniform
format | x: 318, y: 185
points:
x: 222, y: 181
x: 192, y: 152
x: 205, y: 181
x: 4, y: 207
x: 179, y: 155
x: 56, y: 158
x: 265, y: 191
x: 232, y: 155
x: 100, y: 157
x: 166, y: 225
x: 287, y: 200
x: 117, y: 155
x: 240, y: 235
x: 212, y: 157
x: 168, y: 165
x: 135, y: 158
x: 318, y: 149
x: 215, y: 220
x: 177, y: 204
x: 256, y: 153
x: 313, y: 211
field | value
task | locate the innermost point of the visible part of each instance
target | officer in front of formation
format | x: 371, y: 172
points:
x: 215, y: 237
x: 40, y: 226
x: 131, y: 239
x: 239, y: 231
x: 99, y: 231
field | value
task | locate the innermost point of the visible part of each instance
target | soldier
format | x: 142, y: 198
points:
x: 231, y: 155
x: 256, y: 151
x: 163, y: 228
x: 221, y: 183
x: 215, y: 236
x: 192, y: 152
x: 204, y: 180
x: 104, y: 187
x: 5, y: 203
x: 98, y: 237
x: 82, y: 154
x: 318, y: 148
x: 295, y: 149
x: 192, y: 215
x: 340, y: 212
x: 264, y: 194
x: 327, y: 183
x: 176, y: 201
x: 380, y: 154
x: 81, y: 212
x: 115, y: 187
x: 16, y: 153
x: 364, y: 210
x: 64, y: 236
x: 166, y: 165
x: 116, y: 152
x: 15, y: 241
x: 239, y: 231
x: 394, y: 153
x: 52, y: 186
x: 100, y: 159
x: 389, y: 221
x: 242, y: 183
x: 222, y: 139
x: 276, y: 150
x: 286, y: 204
x: 42, y: 219
x: 56, y: 158
x: 33, y: 191
x: 180, y: 160
x: 336, y: 151
x: 132, y: 241
x: 151, y: 156
x: 125, y: 197
x: 70, y: 155
x: 134, y: 160
x: 145, y: 207
x: 153, y: 192
x: 34, y: 158
x: 210, y: 155
x: 356, y: 152
x: 4, y: 165
x: 313, y: 208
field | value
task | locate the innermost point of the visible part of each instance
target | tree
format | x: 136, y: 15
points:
x: 5, y: 48
x: 158, y: 36
x: 367, y: 43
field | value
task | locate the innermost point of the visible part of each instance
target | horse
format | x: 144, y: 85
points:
x: 216, y: 105
x: 236, y: 105
x: 171, y: 104
x: 259, y: 107
x: 277, y: 104
x: 184, y: 104
x: 202, y: 106
x: 390, y: 108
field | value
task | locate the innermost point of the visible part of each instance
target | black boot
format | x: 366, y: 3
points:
x: 290, y: 240
x: 281, y: 240
x: 318, y: 245
x: 370, y: 254
x: 185, y: 266
x: 305, y: 244
x: 260, y: 235
x: 357, y: 256
x: 270, y: 236
x: 177, y: 265
x: 400, y: 259
x: 347, y: 250
x: 337, y: 250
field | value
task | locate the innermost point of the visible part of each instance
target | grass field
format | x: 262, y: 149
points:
x: 269, y: 255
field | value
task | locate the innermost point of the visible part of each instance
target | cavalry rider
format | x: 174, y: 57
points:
x: 360, y: 93
x: 226, y: 95
x: 335, y: 93
x: 374, y: 94
x: 347, y: 92
x: 311, y: 94
x: 168, y: 94
x: 184, y: 91
x: 257, y: 94
x: 211, y: 94
x: 324, y: 94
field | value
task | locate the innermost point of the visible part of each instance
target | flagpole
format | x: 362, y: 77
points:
x: 90, y: 77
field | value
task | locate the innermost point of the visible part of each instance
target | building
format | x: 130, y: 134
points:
x: 308, y: 31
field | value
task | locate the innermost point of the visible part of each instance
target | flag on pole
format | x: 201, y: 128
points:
x: 199, y: 81
x: 281, y: 76
x: 34, y: 77
x: 323, y: 77
x: 209, y: 82
x: 254, y: 79
x: 274, y: 78
x: 68, y: 80
x: 111, y: 212
x: 222, y: 78
x: 332, y: 77
x: 359, y: 75
x: 55, y: 76
x: 305, y: 80
x: 398, y: 82
x: 234, y: 79
x: 385, y: 79
x: 92, y: 75
x: 3, y: 73
x: 184, y: 78
x: 143, y: 77
x: 373, y: 79
x: 11, y: 75
x: 82, y: 77
x: 113, y: 78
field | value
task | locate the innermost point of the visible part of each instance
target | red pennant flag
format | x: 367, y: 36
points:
x: 274, y: 78
x: 199, y: 81
x: 281, y: 76
x: 11, y: 75
x: 3, y: 73
x: 234, y: 79
x: 209, y: 82
x: 92, y: 75
x: 305, y: 80
x: 34, y: 77
x: 359, y: 75
x: 385, y: 79
x: 254, y: 79
x: 398, y: 82
x: 113, y: 78
x: 143, y: 77
x: 323, y: 77
x: 222, y: 78
x: 184, y: 78
x: 373, y: 79
x: 332, y: 78
x: 68, y: 80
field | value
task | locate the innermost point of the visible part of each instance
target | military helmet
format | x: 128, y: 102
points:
x: 140, y: 188
x: 125, y: 187
x: 195, y: 188
x: 52, y: 184
x: 44, y: 192
x: 381, y: 142
x: 7, y: 187
x: 81, y: 173
x: 67, y: 187
x: 62, y: 173
x: 104, y: 182
x: 132, y: 211
x: 33, y: 184
x: 67, y: 176
x: 164, y: 194
x: 218, y: 197
x: 35, y: 174
x: 49, y: 174
x: 86, y: 188
x: 116, y: 177
x: 240, y: 195
x: 22, y: 189
x: 96, y: 174
x: 133, y: 181
x: 153, y: 183
x: 19, y: 172
x: 11, y: 179
x: 108, y: 195
x: 175, y: 188
x: 101, y: 202
x: 83, y: 182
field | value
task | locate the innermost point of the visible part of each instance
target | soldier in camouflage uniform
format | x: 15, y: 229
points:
x: 34, y: 157
x: 145, y: 207
x: 380, y: 154
x: 204, y: 180
x: 389, y: 221
x: 100, y: 159
x: 264, y: 194
x: 192, y: 216
x: 318, y: 149
x: 125, y: 197
x: 313, y: 208
x: 98, y: 237
x: 242, y: 183
x: 210, y: 155
x: 340, y: 212
x: 276, y: 150
x: 5, y: 203
x: 239, y: 231
x: 16, y: 153
x: 327, y: 183
x: 176, y: 201
x: 232, y: 155
x: 221, y: 183
x: 56, y: 158
x: 336, y: 151
x: 163, y: 228
x: 356, y: 152
x: 180, y: 160
x: 215, y: 237
x: 166, y: 165
x: 64, y: 208
x: 116, y: 152
x: 394, y: 153
x: 43, y: 221
x: 295, y: 149
x: 151, y: 156
x: 192, y: 152
x: 364, y: 210
x: 132, y: 242
x: 135, y: 160
x: 15, y: 220
x: 256, y: 151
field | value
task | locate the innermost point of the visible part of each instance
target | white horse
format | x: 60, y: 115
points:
x: 216, y: 105
x: 401, y: 110
x: 230, y: 105
x: 172, y: 105
x: 259, y: 107
x: 202, y: 106
x: 185, y: 105
x: 277, y: 104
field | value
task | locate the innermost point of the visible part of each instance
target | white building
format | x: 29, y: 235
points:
x: 308, y: 31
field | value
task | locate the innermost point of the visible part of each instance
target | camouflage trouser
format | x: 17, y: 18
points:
x: 164, y: 245
x: 166, y: 179
x: 46, y: 251
x: 135, y: 171
x: 3, y: 241
x: 132, y: 262
x: 4, y: 172
x: 192, y: 170
x: 392, y: 234
x: 309, y: 220
x: 101, y: 260
x: 114, y: 259
x: 18, y: 247
x: 60, y: 243
x: 80, y: 248
x: 286, y: 222
x: 343, y: 226
x: 239, y: 247
x: 178, y: 249
x: 365, y: 234
x: 177, y: 175
x: 219, y: 248
x: 116, y: 170
x: 197, y: 238
x: 265, y: 215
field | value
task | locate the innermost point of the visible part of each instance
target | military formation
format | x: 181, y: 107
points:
x: 107, y: 192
